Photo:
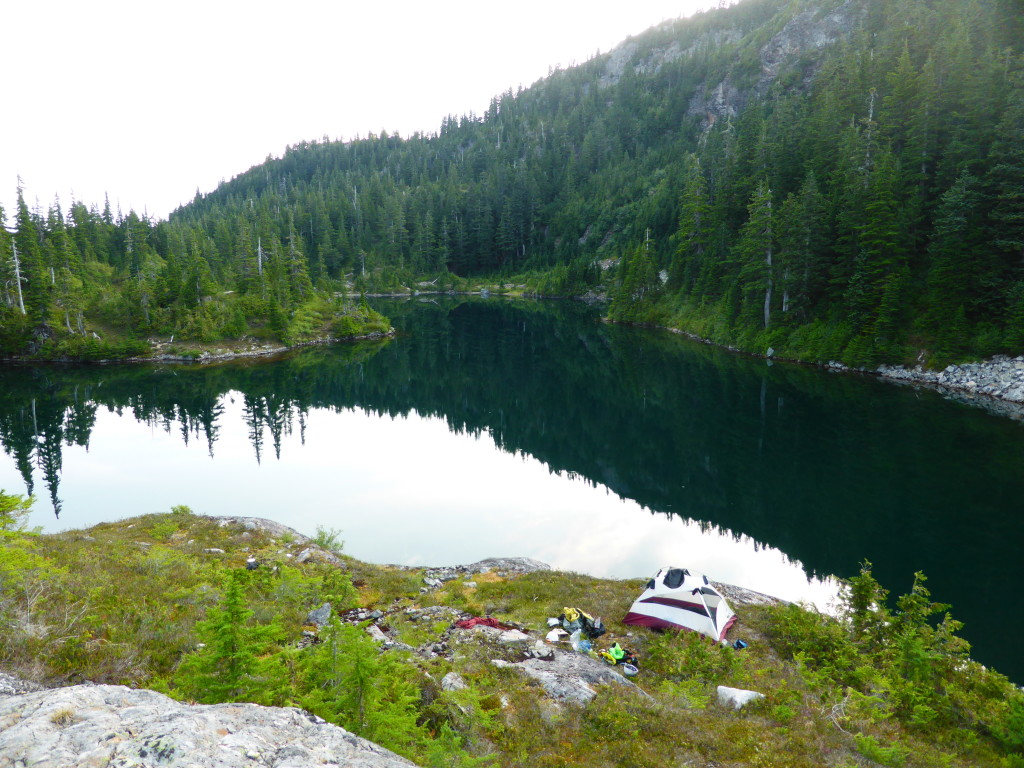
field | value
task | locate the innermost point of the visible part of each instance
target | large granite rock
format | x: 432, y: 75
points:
x: 89, y: 726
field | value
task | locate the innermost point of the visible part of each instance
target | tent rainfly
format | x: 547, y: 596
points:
x: 677, y: 599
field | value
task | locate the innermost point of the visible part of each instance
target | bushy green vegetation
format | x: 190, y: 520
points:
x: 165, y: 601
x: 89, y: 287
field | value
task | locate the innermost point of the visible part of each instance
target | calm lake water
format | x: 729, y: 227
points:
x: 489, y: 428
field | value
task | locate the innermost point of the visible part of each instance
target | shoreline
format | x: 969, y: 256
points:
x: 995, y: 385
x: 210, y: 354
x: 218, y: 354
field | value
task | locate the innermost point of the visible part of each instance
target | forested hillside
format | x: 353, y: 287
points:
x: 831, y: 178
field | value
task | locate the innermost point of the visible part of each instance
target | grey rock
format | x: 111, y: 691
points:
x: 736, y: 697
x: 453, y: 682
x: 516, y: 565
x: 376, y: 633
x: 512, y: 636
x: 262, y: 524
x: 569, y: 677
x: 10, y: 685
x: 319, y: 616
x: 996, y: 385
x: 105, y: 725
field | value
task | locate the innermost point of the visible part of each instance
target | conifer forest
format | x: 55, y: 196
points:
x: 833, y: 179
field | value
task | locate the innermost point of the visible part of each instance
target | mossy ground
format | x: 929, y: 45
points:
x: 120, y: 603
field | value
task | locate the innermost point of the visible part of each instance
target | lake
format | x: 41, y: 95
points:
x: 494, y: 428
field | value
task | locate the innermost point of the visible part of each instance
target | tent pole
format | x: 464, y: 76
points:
x: 714, y: 621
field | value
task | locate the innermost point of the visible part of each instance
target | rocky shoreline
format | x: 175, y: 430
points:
x: 219, y: 354
x: 997, y: 384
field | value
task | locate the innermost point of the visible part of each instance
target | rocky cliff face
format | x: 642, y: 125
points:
x: 795, y: 45
x: 110, y: 725
x: 806, y: 33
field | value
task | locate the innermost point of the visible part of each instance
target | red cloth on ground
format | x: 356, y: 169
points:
x: 478, y: 621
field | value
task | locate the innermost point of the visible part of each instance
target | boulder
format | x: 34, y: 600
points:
x: 319, y: 616
x: 736, y: 697
x: 101, y: 725
x: 453, y: 682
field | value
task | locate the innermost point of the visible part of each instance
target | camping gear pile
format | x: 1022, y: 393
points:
x: 674, y: 599
x: 581, y: 629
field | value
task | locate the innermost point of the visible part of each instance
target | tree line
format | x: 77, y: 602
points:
x: 858, y: 200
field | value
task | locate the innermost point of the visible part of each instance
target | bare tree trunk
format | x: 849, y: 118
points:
x: 17, y: 277
x: 771, y: 279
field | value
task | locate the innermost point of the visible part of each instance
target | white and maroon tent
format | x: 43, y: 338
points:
x: 677, y: 599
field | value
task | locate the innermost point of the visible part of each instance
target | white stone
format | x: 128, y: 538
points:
x: 453, y: 682
x: 513, y: 636
x: 736, y: 697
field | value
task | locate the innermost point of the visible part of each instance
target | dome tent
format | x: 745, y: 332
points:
x: 677, y: 599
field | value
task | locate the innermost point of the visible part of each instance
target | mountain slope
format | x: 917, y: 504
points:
x: 832, y: 178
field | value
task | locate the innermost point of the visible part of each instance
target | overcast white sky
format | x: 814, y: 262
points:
x: 148, y: 101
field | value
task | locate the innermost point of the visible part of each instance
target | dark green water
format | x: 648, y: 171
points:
x: 831, y: 469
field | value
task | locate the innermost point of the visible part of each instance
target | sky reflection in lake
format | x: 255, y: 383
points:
x: 401, y: 490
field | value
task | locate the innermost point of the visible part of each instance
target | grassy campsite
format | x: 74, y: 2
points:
x: 166, y: 601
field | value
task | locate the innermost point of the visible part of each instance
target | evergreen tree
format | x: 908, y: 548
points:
x: 228, y: 667
x: 803, y: 238
x: 299, y: 285
x: 754, y: 254
x: 37, y: 287
x: 354, y: 685
x: 961, y: 273
x: 689, y: 262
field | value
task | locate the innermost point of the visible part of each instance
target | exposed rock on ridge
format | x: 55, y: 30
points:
x: 111, y: 725
x: 805, y: 34
x: 808, y: 31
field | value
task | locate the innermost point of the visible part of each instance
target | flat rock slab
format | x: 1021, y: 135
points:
x: 269, y: 527
x: 569, y: 676
x: 89, y: 726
